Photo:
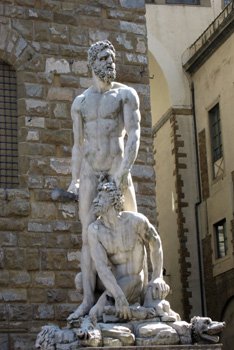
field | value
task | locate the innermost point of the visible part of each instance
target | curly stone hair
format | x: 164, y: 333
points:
x: 115, y: 194
x: 96, y: 48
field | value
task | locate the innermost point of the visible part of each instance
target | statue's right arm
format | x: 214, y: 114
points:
x: 77, y: 149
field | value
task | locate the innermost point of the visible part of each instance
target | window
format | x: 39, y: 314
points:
x: 8, y: 127
x: 216, y: 141
x: 226, y: 2
x: 220, y: 239
x: 183, y: 2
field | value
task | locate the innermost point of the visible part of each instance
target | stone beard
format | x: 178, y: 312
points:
x: 107, y: 75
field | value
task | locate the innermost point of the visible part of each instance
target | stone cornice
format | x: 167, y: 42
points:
x: 210, y: 40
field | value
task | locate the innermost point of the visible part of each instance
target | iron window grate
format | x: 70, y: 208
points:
x: 8, y: 127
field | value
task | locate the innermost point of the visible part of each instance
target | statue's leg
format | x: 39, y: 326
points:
x: 98, y: 309
x: 132, y: 287
x: 87, y: 193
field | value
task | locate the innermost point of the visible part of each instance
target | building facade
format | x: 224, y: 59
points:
x: 191, y: 79
x: 209, y: 61
x: 43, y: 54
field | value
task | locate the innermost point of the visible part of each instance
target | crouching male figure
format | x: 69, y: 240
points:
x: 117, y: 245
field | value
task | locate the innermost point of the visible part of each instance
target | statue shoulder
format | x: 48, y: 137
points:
x: 128, y: 94
x: 81, y: 99
x: 95, y: 226
x: 134, y: 217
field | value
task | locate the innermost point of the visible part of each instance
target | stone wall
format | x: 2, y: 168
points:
x: 46, y: 43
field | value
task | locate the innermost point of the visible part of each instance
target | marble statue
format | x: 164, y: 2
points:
x: 123, y: 303
x: 102, y: 115
x: 117, y: 241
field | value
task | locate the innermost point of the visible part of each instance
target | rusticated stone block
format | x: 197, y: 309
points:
x: 133, y: 4
x: 133, y: 28
x: 59, y: 33
x: 4, y: 278
x: 57, y: 137
x: 22, y: 341
x: 61, y: 165
x: 4, y: 342
x: 36, y: 149
x: 61, y: 110
x: 55, y: 259
x: 37, y: 295
x: 58, y: 240
x: 11, y: 295
x: 34, y: 90
x: 7, y: 224
x: 60, y: 94
x: 56, y: 296
x: 57, y: 66
x: 35, y: 181
x: 65, y: 279
x: 14, y: 258
x: 42, y: 31
x: 44, y: 210
x: 75, y: 297
x: 44, y: 279
x: 80, y: 67
x: 37, y: 122
x: 3, y: 314
x: 20, y: 278
x: 24, y: 27
x: 79, y: 36
x: 14, y: 208
x: 43, y: 312
x: 34, y: 107
x: 39, y: 227
x: 62, y: 311
x: 8, y: 239
x: 20, y: 312
x: 32, y: 259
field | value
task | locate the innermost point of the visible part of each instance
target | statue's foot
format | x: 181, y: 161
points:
x: 81, y: 311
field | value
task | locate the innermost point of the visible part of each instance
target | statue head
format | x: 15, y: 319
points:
x: 108, y: 196
x: 101, y: 59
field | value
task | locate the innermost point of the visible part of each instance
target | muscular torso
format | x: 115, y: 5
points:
x: 103, y: 127
x: 124, y: 246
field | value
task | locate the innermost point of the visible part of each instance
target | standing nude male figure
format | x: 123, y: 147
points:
x: 102, y: 115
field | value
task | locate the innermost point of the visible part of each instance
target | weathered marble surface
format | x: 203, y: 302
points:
x: 102, y: 116
x: 122, y: 305
x: 85, y: 333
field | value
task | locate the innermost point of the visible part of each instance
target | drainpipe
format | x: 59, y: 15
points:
x: 200, y: 263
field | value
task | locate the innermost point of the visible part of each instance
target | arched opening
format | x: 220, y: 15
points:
x: 8, y: 127
x: 227, y: 337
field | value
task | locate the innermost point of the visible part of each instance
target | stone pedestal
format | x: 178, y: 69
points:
x: 164, y: 347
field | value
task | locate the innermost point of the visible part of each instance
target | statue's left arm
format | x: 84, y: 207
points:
x: 159, y: 287
x: 132, y: 117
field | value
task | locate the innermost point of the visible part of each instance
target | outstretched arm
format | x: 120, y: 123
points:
x: 132, y: 125
x: 77, y: 149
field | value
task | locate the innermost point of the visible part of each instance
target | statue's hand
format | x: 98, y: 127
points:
x: 122, y: 308
x: 74, y: 187
x: 160, y: 288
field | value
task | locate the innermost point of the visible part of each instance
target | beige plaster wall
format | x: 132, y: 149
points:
x: 216, y: 78
x: 160, y: 97
x: 167, y: 218
x: 171, y: 30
